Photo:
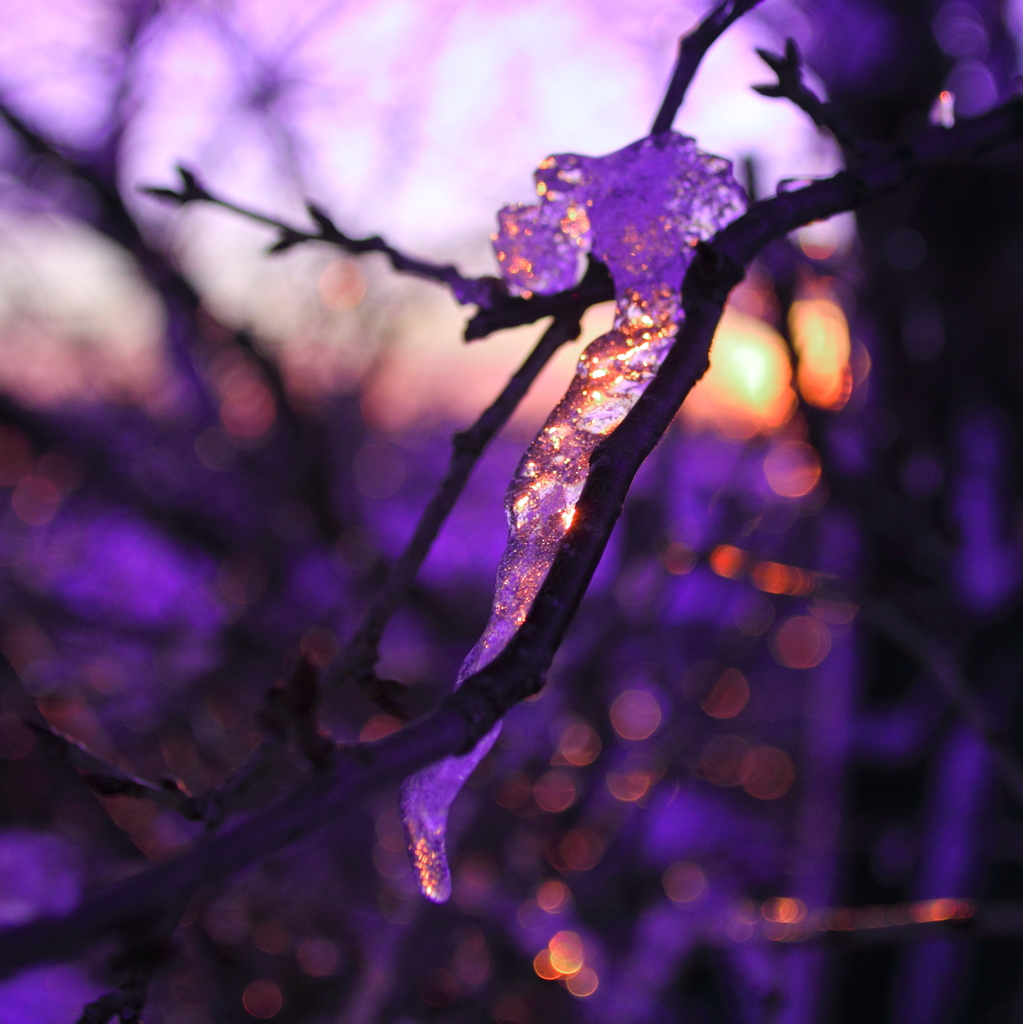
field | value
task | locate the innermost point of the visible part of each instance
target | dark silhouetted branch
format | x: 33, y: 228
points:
x: 362, y: 651
x: 360, y: 654
x: 596, y: 286
x: 483, y: 291
x: 691, y: 49
x: 790, y: 86
x: 469, y: 713
x: 290, y: 711
x: 109, y: 780
x: 497, y: 309
x: 943, y: 667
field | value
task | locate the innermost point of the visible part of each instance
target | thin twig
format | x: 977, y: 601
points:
x: 595, y: 287
x: 181, y: 302
x: 484, y: 291
x: 945, y: 669
x: 691, y: 49
x: 518, y: 671
x: 362, y: 651
x: 109, y: 780
x: 790, y: 85
x: 360, y: 654
x: 290, y: 711
x: 498, y: 310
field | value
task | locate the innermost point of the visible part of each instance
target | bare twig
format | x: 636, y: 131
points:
x: 790, y: 86
x: 360, y: 654
x: 498, y: 310
x: 518, y: 671
x: 220, y: 801
x: 944, y: 668
x: 116, y: 222
x: 124, y: 1004
x: 290, y: 710
x: 109, y: 780
x: 484, y: 291
x: 691, y: 49
x: 596, y: 286
x: 362, y: 651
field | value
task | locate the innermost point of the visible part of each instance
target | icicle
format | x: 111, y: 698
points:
x: 641, y: 211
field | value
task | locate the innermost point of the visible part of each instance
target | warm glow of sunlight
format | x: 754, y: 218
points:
x: 747, y: 390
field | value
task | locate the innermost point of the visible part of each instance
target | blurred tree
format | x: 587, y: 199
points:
x: 775, y: 775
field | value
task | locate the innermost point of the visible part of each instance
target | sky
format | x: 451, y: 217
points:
x: 413, y: 120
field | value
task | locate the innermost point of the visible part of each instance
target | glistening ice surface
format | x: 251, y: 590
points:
x: 641, y: 211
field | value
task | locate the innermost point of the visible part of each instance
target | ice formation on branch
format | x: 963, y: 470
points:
x: 641, y: 211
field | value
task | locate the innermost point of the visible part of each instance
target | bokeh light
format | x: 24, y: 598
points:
x: 684, y: 882
x: 580, y: 850
x: 747, y: 389
x: 554, y: 791
x: 554, y: 896
x: 262, y: 999
x: 767, y: 773
x: 784, y: 910
x: 728, y: 696
x: 579, y: 745
x: 629, y: 786
x: 792, y: 468
x: 820, y: 336
x: 635, y: 715
x: 801, y: 641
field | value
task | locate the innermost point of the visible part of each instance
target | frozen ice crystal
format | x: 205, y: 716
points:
x: 641, y: 211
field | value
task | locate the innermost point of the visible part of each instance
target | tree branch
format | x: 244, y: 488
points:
x: 109, y: 780
x: 484, y: 291
x: 497, y: 309
x: 466, y: 715
x: 790, y: 86
x: 691, y: 49
x: 944, y: 668
x: 362, y: 651
x: 512, y: 311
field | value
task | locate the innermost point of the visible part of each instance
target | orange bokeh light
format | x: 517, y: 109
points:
x: 678, y: 559
x: 728, y: 561
x: 553, y: 896
x: 767, y: 773
x: 801, y: 641
x: 554, y: 791
x: 684, y: 882
x: 583, y: 983
x: 543, y: 966
x: 635, y: 715
x: 728, y: 696
x: 341, y: 285
x: 784, y: 910
x: 820, y: 336
x: 941, y: 910
x: 628, y: 786
x: 262, y: 999
x: 579, y: 746
x: 578, y: 850
x: 792, y: 469
x: 566, y: 952
x: 775, y: 578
